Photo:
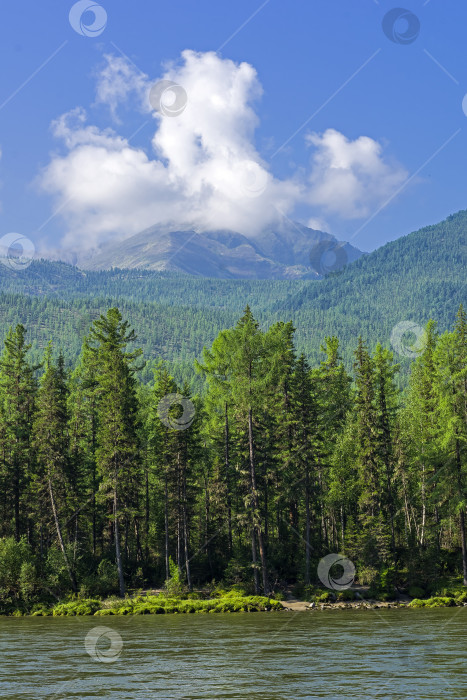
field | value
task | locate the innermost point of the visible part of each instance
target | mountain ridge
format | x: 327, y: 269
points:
x: 413, y: 278
x: 288, y: 250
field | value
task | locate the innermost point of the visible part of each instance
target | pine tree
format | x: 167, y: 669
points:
x: 332, y: 387
x: 422, y: 452
x: 451, y: 361
x: 386, y: 398
x: 161, y: 453
x: 118, y: 457
x: 51, y: 446
x: 305, y: 446
x: 17, y: 394
x: 248, y: 388
x: 83, y: 423
x: 217, y: 367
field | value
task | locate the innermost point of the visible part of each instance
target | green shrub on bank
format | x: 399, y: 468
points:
x: 153, y: 605
x: 41, y: 611
x: 77, y: 607
x: 436, y: 602
x: 325, y: 597
x: 159, y: 605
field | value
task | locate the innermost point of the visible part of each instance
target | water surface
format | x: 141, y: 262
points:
x: 416, y: 654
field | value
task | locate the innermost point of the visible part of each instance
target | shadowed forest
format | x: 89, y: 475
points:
x: 109, y: 484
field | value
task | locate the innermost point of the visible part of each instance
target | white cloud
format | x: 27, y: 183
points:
x: 204, y: 169
x: 119, y: 80
x: 317, y: 224
x: 350, y: 177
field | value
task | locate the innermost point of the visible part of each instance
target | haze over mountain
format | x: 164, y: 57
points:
x: 288, y: 250
x: 414, y: 278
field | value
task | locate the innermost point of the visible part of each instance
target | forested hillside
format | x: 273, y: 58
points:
x: 106, y: 483
x: 415, y: 278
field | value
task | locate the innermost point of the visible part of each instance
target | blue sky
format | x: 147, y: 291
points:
x: 404, y: 99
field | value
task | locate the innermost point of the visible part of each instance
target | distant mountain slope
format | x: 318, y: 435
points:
x: 414, y: 278
x: 429, y: 261
x: 287, y: 251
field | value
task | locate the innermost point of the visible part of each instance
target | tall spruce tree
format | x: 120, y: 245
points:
x: 451, y: 360
x: 118, y: 457
x: 249, y: 366
x: 17, y: 395
x: 51, y: 447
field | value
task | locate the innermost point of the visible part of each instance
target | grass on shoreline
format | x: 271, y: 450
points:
x: 155, y: 605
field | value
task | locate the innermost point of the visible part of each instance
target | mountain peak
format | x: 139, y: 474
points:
x: 288, y: 250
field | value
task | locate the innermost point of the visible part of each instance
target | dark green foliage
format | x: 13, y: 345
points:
x: 417, y: 277
x: 108, y: 487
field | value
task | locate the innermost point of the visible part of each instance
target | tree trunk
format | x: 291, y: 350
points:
x: 254, y: 559
x: 207, y: 522
x: 94, y: 525
x: 146, y: 523
x: 227, y: 476
x: 118, y: 555
x: 422, y: 535
x: 139, y: 550
x: 179, y: 516
x: 255, y: 504
x: 166, y: 522
x: 16, y: 488
x: 94, y: 479
x: 60, y: 538
x: 185, y: 530
x: 462, y: 513
x: 307, y: 526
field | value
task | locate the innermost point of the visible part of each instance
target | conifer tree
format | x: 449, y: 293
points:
x: 422, y: 452
x: 51, y: 446
x: 248, y: 390
x: 451, y: 360
x: 118, y: 457
x: 17, y: 394
x: 83, y: 424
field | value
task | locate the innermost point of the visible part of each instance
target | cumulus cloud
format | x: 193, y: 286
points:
x: 349, y: 177
x: 202, y: 168
x: 118, y: 81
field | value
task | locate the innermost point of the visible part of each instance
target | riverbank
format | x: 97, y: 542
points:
x: 160, y: 602
x: 434, y: 602
x: 163, y: 605
x: 154, y: 605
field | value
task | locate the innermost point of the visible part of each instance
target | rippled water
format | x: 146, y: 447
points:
x: 414, y: 654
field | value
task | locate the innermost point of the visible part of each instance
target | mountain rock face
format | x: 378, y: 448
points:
x: 287, y: 251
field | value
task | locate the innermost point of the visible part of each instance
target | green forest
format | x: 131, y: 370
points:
x: 110, y: 484
x: 416, y: 277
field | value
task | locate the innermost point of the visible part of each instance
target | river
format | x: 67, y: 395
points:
x: 391, y: 654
